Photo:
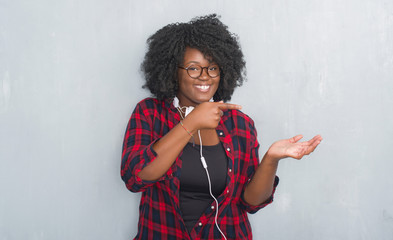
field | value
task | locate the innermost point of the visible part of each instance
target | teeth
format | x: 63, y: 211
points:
x: 203, y: 87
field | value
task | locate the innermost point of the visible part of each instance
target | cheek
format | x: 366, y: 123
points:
x: 180, y: 79
x: 183, y: 82
x: 217, y: 82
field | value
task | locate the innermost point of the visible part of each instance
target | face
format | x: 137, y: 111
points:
x: 193, y: 91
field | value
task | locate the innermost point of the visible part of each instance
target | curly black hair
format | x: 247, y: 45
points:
x: 209, y: 35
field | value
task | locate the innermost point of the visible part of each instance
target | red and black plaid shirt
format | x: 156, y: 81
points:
x: 159, y: 212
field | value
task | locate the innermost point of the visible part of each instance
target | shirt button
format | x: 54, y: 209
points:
x: 228, y: 149
x: 212, y: 207
x: 200, y: 224
x: 220, y: 133
x: 230, y: 170
x: 228, y: 191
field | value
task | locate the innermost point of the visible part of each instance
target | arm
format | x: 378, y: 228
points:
x: 260, y: 187
x: 167, y: 149
x: 204, y: 116
x: 137, y: 149
x: 142, y: 134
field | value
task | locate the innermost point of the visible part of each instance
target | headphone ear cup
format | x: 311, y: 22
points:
x: 188, y: 110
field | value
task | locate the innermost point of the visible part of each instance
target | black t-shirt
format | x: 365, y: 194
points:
x: 194, y: 187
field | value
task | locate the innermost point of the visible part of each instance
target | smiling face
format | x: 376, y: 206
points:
x: 193, y: 91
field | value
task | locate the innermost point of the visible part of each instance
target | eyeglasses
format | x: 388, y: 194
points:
x: 195, y: 71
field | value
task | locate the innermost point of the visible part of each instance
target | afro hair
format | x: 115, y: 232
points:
x: 209, y: 35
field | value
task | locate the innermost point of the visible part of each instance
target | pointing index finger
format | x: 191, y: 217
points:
x: 223, y: 106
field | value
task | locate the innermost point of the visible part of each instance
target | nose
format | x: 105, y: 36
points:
x: 204, y: 74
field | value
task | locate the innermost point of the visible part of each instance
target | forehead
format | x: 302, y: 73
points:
x: 193, y: 55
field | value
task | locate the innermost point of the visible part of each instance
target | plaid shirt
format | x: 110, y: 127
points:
x: 159, y: 212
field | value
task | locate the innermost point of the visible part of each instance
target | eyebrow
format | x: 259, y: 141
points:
x: 210, y: 63
x: 192, y: 62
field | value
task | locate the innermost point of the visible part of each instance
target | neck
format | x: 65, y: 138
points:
x: 183, y: 111
x: 177, y: 103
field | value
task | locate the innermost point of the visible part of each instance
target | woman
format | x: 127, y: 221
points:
x: 193, y: 156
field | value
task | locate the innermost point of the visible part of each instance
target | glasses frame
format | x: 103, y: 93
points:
x: 200, y: 73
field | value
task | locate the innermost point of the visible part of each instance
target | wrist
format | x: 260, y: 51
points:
x: 188, y: 124
x: 270, y: 157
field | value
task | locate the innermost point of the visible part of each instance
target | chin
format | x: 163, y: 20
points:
x: 204, y: 100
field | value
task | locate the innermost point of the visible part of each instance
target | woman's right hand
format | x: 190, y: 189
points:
x: 207, y: 115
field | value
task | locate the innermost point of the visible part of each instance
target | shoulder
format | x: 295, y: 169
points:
x: 153, y: 108
x: 153, y: 103
x: 149, y: 103
x: 239, y: 116
x: 236, y: 119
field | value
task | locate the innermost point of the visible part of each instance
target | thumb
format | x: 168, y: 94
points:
x: 296, y: 138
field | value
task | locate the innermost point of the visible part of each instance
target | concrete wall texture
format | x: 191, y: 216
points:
x: 69, y: 80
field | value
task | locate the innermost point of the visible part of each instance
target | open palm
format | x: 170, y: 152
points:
x: 293, y: 148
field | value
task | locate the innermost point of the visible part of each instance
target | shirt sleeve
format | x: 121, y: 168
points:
x: 253, y: 209
x: 251, y: 168
x: 138, y: 149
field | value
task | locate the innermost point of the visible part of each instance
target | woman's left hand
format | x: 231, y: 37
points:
x: 293, y: 148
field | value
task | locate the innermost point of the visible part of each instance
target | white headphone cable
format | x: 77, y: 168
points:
x: 210, y: 185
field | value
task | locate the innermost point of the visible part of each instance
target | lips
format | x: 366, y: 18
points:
x: 203, y: 88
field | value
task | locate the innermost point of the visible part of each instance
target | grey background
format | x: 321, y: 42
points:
x: 69, y: 80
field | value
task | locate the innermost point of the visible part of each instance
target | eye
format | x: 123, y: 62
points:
x: 213, y: 68
x: 193, y: 68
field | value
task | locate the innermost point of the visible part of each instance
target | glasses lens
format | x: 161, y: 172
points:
x: 194, y: 71
x: 213, y: 71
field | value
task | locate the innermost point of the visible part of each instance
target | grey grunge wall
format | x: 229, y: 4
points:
x: 69, y: 80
